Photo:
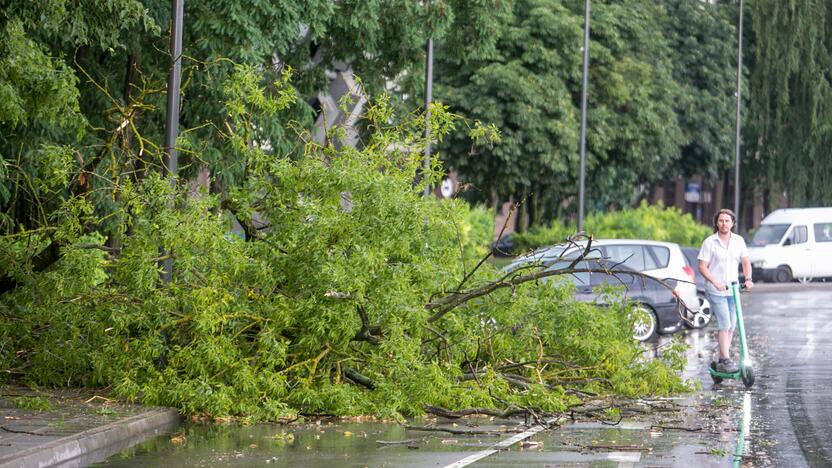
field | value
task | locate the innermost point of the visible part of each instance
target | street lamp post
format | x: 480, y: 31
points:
x: 581, y: 188
x: 428, y: 99
x: 174, y: 81
x: 737, y: 137
x: 172, y: 119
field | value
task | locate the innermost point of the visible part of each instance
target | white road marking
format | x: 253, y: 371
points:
x: 809, y: 348
x: 633, y: 425
x: 624, y: 459
x: 497, y: 447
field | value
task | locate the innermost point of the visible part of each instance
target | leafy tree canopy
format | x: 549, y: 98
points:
x: 57, y: 59
x: 703, y: 44
x: 531, y: 89
x: 791, y: 100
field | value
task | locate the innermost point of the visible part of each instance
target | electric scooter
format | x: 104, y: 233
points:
x: 745, y: 372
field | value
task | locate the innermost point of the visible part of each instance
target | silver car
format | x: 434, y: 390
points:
x: 655, y: 258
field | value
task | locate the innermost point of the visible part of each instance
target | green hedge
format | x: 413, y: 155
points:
x: 654, y: 222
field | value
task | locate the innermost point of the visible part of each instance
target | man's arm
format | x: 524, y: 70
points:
x: 746, y: 271
x: 706, y: 273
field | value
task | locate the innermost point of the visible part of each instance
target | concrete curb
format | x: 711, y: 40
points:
x: 95, y: 444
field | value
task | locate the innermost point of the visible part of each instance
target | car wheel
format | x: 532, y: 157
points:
x: 783, y: 274
x: 704, y: 311
x: 644, y: 322
x: 701, y: 318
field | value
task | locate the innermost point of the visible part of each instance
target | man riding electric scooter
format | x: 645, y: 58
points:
x: 719, y: 257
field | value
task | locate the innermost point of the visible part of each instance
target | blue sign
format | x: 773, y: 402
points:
x: 692, y: 192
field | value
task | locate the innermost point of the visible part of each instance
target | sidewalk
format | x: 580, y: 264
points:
x: 71, y: 427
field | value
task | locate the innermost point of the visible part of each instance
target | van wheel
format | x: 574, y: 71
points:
x: 783, y: 274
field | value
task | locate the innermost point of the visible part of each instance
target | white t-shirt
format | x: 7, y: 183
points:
x: 723, y: 261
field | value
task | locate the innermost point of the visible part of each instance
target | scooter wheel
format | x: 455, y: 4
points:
x: 748, y: 378
x: 717, y: 380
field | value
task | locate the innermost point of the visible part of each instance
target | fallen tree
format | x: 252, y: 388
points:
x: 350, y: 301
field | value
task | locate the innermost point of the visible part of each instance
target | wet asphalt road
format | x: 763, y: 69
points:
x: 791, y: 412
x: 783, y: 420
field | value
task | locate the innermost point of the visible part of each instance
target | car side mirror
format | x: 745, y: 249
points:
x: 787, y: 242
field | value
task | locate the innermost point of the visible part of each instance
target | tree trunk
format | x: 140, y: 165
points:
x: 522, y: 224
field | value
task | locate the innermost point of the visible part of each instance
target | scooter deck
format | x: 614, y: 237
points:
x: 734, y: 375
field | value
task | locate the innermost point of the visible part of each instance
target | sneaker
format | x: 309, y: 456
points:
x: 726, y: 366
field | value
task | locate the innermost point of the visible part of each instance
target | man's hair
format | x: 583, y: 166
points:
x: 722, y: 212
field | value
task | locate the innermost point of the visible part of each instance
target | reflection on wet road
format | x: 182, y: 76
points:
x: 745, y: 429
x: 786, y: 417
x: 790, y: 328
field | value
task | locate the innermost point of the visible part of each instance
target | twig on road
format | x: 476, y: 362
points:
x: 631, y: 448
x: 398, y: 442
x: 459, y: 431
x: 676, y: 428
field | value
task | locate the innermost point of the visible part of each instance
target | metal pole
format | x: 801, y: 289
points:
x: 581, y: 188
x: 428, y: 100
x: 737, y: 141
x: 172, y: 120
x: 174, y: 81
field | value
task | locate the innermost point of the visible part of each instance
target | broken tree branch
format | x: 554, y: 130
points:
x: 358, y: 378
x: 367, y: 333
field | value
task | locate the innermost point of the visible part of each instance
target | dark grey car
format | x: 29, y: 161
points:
x: 656, y: 306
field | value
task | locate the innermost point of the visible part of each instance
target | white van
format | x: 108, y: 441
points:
x: 793, y: 243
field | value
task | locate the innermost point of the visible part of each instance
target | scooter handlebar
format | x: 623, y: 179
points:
x: 741, y: 285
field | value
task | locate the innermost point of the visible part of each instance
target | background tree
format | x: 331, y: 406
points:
x: 42, y: 94
x: 530, y: 88
x: 80, y: 82
x: 633, y: 133
x: 523, y: 89
x: 703, y: 45
x: 791, y: 100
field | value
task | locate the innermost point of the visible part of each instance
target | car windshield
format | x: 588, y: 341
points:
x: 585, y: 278
x: 542, y: 257
x: 546, y: 254
x: 768, y: 234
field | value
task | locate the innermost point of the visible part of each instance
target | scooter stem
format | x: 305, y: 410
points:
x: 735, y: 290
